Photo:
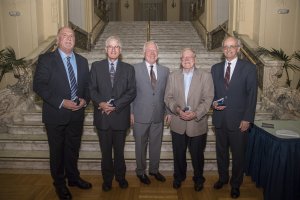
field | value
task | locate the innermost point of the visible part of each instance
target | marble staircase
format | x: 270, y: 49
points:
x: 25, y: 146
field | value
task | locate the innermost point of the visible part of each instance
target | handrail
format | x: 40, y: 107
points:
x: 206, y: 32
x: 148, y: 30
x: 241, y: 48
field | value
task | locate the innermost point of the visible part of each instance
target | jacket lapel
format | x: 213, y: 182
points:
x: 61, y: 68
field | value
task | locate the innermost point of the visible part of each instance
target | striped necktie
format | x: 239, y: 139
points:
x: 227, y: 76
x: 73, y: 84
x: 112, y: 72
x: 152, y: 77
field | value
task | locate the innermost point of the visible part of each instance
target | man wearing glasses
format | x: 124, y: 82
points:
x: 234, y: 105
x: 189, y: 94
x: 112, y: 88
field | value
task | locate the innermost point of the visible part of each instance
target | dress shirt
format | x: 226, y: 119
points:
x: 187, y: 79
x: 154, y: 69
x: 232, y: 66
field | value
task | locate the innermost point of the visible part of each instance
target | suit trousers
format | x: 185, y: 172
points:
x: 64, y: 144
x: 196, y: 146
x: 111, y: 140
x: 145, y: 133
x: 236, y: 141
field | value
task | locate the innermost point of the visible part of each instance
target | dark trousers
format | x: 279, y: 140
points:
x: 112, y: 140
x: 236, y: 141
x: 196, y: 147
x: 64, y: 144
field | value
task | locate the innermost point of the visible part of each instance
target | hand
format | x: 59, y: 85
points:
x: 168, y: 120
x: 131, y: 119
x: 70, y: 105
x: 81, y: 104
x: 216, y: 107
x: 244, y: 125
x: 188, y: 115
x: 106, y: 107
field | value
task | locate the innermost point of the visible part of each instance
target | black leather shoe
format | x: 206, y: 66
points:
x: 80, y: 183
x: 144, y: 179
x: 158, y: 176
x: 198, y: 187
x: 176, y: 184
x: 63, y: 193
x: 219, y: 184
x: 106, y: 187
x: 123, y: 183
x: 235, y: 192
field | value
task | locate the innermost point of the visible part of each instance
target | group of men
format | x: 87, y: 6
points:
x: 145, y: 96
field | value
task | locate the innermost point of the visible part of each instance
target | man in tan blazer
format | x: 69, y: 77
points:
x: 189, y: 94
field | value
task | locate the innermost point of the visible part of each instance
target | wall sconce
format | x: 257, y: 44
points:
x: 173, y: 4
x: 126, y: 5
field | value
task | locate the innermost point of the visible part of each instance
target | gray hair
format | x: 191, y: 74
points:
x: 147, y: 43
x: 188, y: 49
x: 113, y: 38
x: 238, y: 41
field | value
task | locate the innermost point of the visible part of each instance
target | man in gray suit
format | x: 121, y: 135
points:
x: 147, y: 112
x: 188, y: 96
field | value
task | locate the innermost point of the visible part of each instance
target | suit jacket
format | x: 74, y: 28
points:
x: 52, y: 85
x: 240, y: 97
x: 149, y: 105
x: 123, y: 91
x: 200, y: 97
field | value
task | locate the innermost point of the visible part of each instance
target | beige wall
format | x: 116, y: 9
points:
x: 38, y: 20
x: 259, y: 19
x: 173, y: 13
x: 127, y: 14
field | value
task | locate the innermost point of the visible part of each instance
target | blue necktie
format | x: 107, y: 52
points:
x: 73, y: 84
x: 112, y: 73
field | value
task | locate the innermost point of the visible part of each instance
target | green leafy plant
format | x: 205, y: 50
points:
x: 281, y: 55
x: 8, y: 60
x: 296, y: 55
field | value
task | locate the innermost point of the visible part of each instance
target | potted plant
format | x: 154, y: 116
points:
x: 8, y: 60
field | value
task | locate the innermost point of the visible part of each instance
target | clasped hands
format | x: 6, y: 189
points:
x: 71, y: 105
x: 106, y: 107
x: 186, y: 115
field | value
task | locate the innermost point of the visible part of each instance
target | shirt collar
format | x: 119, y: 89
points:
x: 64, y: 55
x: 233, y: 62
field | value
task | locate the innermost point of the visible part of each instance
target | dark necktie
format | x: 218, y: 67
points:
x: 112, y: 72
x: 152, y: 77
x: 73, y: 84
x: 227, y: 76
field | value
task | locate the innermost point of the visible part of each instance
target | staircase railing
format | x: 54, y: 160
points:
x: 242, y: 49
x: 148, y: 30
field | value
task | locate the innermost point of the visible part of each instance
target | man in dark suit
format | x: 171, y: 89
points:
x: 235, y: 84
x: 112, y: 89
x: 148, y: 111
x: 61, y: 80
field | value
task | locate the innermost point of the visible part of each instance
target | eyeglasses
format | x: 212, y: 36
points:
x: 113, y: 47
x: 230, y: 47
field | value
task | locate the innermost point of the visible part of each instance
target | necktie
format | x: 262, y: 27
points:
x: 112, y: 72
x: 152, y: 77
x: 73, y: 84
x: 227, y: 76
